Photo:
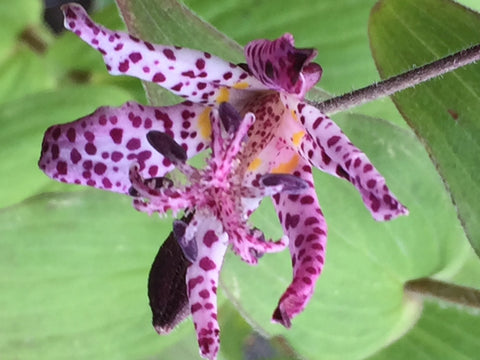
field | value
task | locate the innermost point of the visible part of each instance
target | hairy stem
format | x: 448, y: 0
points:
x: 445, y: 291
x: 400, y: 82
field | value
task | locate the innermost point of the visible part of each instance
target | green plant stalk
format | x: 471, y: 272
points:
x: 452, y: 293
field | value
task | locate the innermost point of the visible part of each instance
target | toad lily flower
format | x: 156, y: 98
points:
x: 218, y: 194
x: 264, y: 142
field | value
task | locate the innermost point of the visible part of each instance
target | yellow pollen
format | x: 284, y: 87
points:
x: 240, y: 85
x: 254, y: 164
x: 287, y: 167
x: 294, y: 115
x: 204, y: 123
x: 297, y: 137
x: 223, y: 95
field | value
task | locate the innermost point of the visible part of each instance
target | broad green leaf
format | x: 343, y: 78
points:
x: 23, y: 73
x: 443, y: 332
x: 443, y: 112
x: 23, y: 123
x: 73, y: 274
x: 473, y: 4
x: 469, y: 274
x: 359, y: 306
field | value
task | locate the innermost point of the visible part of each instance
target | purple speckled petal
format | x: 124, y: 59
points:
x: 280, y: 66
x: 202, y: 280
x: 195, y: 75
x: 302, y: 221
x: 329, y: 149
x: 98, y: 150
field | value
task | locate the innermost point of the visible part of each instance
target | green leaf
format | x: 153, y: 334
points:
x: 15, y: 17
x: 469, y: 274
x: 23, y: 123
x: 443, y: 332
x: 24, y: 73
x: 443, y: 112
x: 359, y: 306
x: 73, y: 274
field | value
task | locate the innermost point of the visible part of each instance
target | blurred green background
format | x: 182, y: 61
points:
x: 74, y: 261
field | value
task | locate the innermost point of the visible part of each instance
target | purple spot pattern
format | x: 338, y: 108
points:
x: 109, y: 150
x: 329, y: 149
x: 99, y: 150
x: 305, y: 226
x: 202, y: 282
x: 192, y: 74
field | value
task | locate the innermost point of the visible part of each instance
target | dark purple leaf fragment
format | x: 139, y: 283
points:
x: 167, y: 289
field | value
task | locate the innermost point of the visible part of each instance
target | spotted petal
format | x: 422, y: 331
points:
x: 98, y: 150
x: 303, y: 222
x: 280, y: 66
x: 202, y: 280
x: 195, y: 75
x: 329, y: 149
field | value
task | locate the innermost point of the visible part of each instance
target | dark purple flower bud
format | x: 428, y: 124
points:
x: 230, y: 117
x: 167, y: 146
x: 290, y: 183
x: 167, y: 289
x: 189, y: 246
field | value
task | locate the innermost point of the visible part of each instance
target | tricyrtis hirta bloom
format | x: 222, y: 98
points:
x: 264, y: 140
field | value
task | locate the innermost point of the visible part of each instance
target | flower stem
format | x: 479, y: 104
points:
x: 460, y: 295
x: 399, y: 82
